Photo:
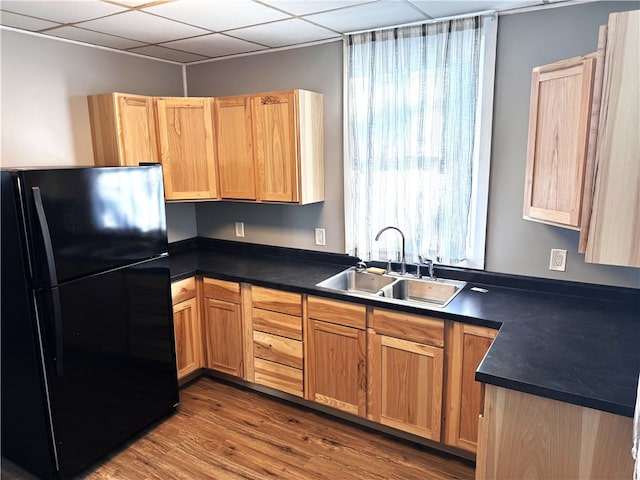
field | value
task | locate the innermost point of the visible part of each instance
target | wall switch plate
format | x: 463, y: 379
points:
x: 320, y: 240
x: 558, y: 260
x: 239, y: 229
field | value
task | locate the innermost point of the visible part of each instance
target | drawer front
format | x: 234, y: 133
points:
x: 340, y: 313
x: 222, y: 290
x: 277, y: 323
x: 417, y: 328
x: 183, y: 290
x: 276, y: 300
x: 280, y: 377
x: 277, y: 349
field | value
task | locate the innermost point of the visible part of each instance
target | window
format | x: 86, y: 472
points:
x: 417, y: 141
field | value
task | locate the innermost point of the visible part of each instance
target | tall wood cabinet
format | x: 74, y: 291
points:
x: 614, y: 232
x: 406, y: 368
x: 335, y: 359
x: 222, y: 326
x: 467, y: 346
x: 123, y: 129
x: 186, y: 322
x: 280, y: 158
x: 185, y: 132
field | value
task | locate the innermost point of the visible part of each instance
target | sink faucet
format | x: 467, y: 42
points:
x: 429, y: 263
x: 403, y: 264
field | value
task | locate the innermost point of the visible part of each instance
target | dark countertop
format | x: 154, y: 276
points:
x: 580, y: 346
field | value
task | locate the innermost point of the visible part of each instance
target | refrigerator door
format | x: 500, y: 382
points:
x: 116, y: 372
x: 81, y: 221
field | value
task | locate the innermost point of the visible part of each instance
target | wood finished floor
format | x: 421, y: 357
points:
x: 226, y: 432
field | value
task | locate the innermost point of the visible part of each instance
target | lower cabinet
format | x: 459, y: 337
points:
x: 276, y: 324
x: 525, y: 436
x: 335, y: 361
x: 467, y: 346
x: 222, y: 326
x: 186, y: 322
x: 406, y: 368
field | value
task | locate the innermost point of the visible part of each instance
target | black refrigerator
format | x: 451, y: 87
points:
x: 88, y: 349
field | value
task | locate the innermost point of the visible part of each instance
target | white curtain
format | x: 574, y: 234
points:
x: 411, y: 139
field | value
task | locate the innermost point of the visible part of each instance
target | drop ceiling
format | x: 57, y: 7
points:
x: 186, y: 31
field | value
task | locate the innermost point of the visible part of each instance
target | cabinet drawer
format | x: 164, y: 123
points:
x: 341, y: 313
x: 280, y: 377
x: 276, y: 300
x: 277, y: 323
x: 417, y: 328
x: 183, y: 290
x: 277, y: 349
x: 222, y: 290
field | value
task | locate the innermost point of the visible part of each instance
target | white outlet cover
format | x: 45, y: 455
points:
x: 558, y: 260
x: 239, y: 229
x: 320, y: 236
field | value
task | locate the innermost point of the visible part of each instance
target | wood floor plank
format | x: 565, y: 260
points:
x: 226, y: 432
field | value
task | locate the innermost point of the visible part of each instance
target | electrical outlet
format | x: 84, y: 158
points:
x: 320, y: 240
x: 239, y: 229
x: 558, y: 260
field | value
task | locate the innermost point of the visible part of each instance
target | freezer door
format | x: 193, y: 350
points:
x: 115, y: 372
x: 82, y: 221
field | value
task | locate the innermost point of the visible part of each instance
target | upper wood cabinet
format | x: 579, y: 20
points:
x: 234, y: 147
x: 270, y: 147
x: 614, y: 229
x: 185, y: 131
x: 467, y: 346
x: 123, y: 129
x: 559, y: 119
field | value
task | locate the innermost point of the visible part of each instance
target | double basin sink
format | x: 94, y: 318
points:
x: 396, y: 289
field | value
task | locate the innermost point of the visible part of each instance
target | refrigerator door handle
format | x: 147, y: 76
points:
x: 46, y: 237
x: 53, y: 279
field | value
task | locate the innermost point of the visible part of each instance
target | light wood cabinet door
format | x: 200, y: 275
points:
x: 467, y: 346
x: 186, y: 148
x: 123, y: 129
x: 188, y: 339
x: 186, y: 322
x: 288, y: 146
x: 614, y: 229
x: 405, y: 385
x: 335, y: 366
x: 559, y: 119
x: 234, y: 147
x: 275, y: 146
x: 222, y: 332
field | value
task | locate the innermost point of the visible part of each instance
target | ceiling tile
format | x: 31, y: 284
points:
x: 217, y: 15
x: 142, y: 27
x: 93, y: 38
x: 25, y: 23
x: 62, y: 11
x: 284, y: 32
x: 214, y: 45
x: 305, y: 7
x: 368, y: 16
x: 167, y: 54
x: 444, y: 8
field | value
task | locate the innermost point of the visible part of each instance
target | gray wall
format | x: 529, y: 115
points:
x: 514, y: 246
x: 45, y: 119
x: 317, y: 68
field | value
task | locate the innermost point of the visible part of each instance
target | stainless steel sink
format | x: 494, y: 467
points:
x: 353, y: 281
x: 439, y: 292
x: 395, y: 289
